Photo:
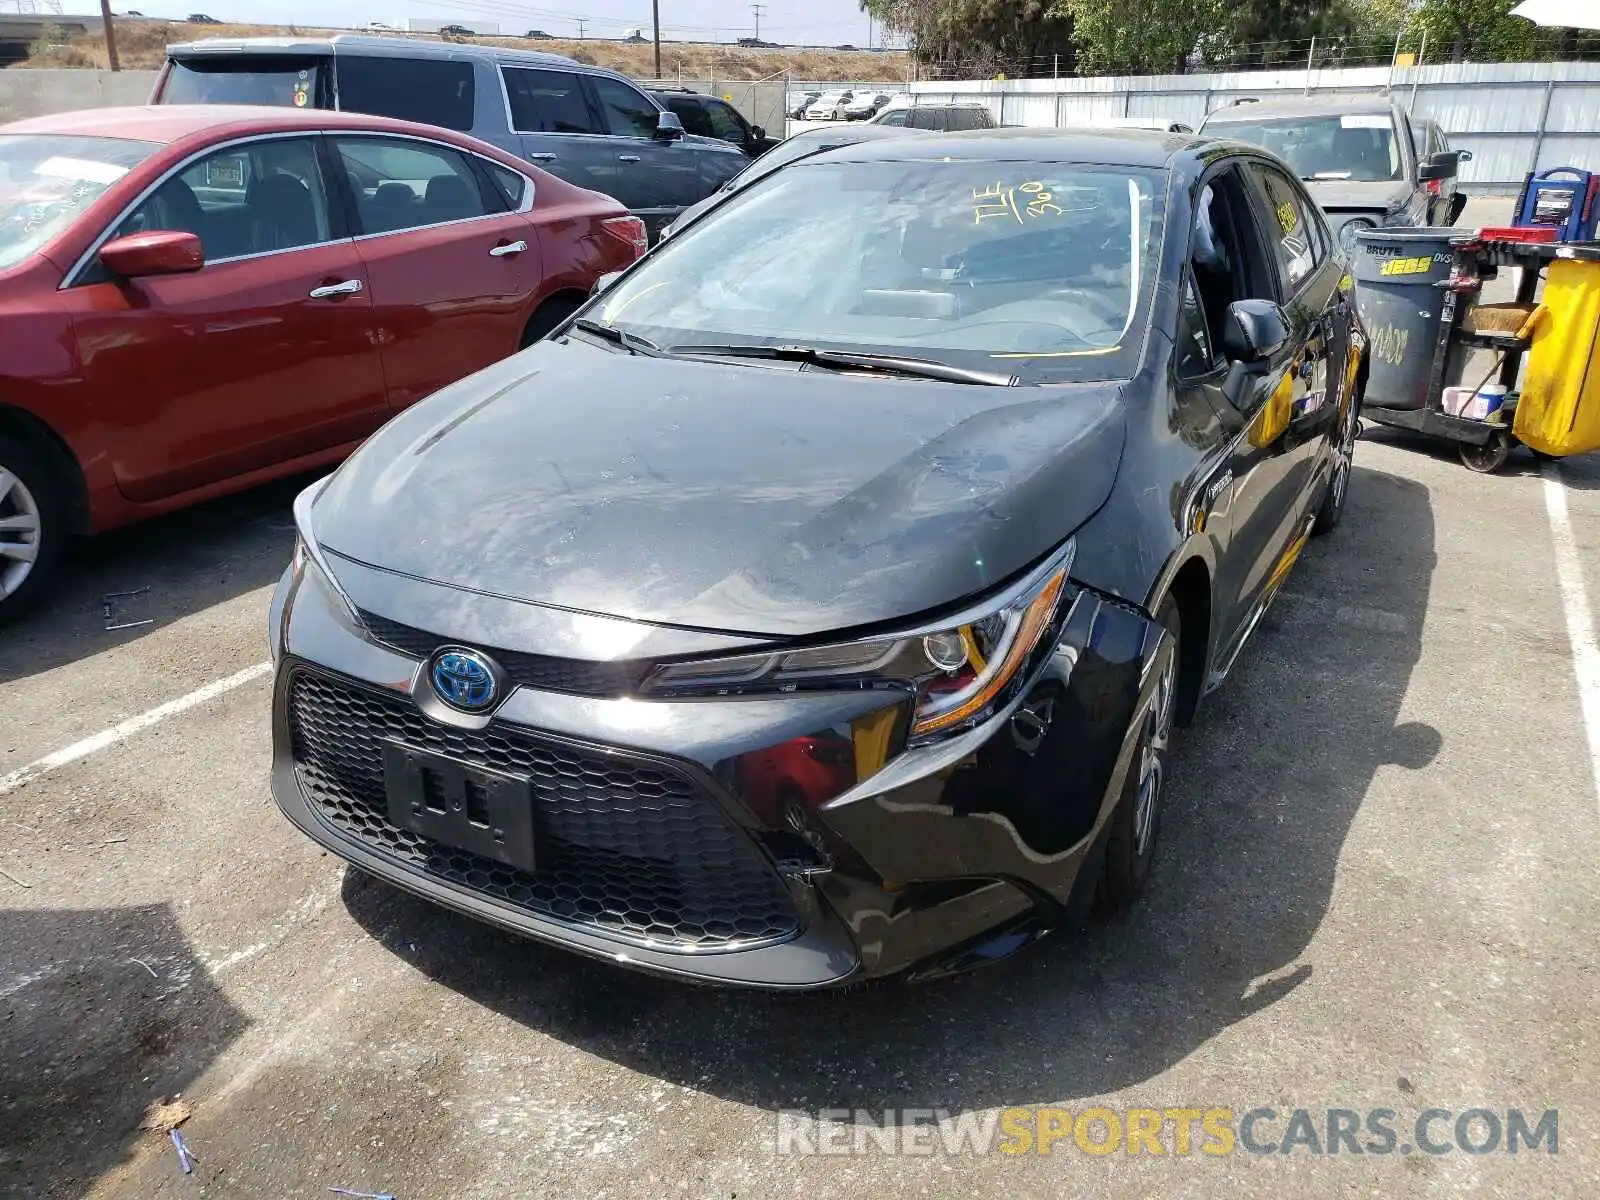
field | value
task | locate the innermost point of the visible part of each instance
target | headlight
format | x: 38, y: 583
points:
x: 959, y: 670
x: 1348, y: 231
x: 308, y: 560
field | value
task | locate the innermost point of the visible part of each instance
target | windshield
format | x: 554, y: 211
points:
x: 1042, y: 269
x: 1360, y: 147
x: 46, y: 180
x: 291, y: 80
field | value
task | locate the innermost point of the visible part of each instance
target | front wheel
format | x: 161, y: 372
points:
x: 1131, y: 844
x: 33, y: 525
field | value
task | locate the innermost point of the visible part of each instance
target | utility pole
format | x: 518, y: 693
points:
x: 758, y: 9
x: 111, y: 35
x: 655, y: 12
x: 582, y: 21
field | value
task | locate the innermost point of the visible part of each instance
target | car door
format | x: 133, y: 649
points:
x: 660, y: 176
x: 264, y: 355
x: 1249, y: 500
x: 557, y: 127
x: 1310, y: 282
x: 451, y: 262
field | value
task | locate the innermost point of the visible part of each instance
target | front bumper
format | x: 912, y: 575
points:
x: 780, y: 842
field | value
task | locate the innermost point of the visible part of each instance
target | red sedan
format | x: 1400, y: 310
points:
x: 196, y: 299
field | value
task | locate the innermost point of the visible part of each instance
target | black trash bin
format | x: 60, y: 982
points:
x: 1400, y: 277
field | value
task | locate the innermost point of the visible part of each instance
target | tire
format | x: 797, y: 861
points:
x: 547, y: 316
x: 1132, y: 841
x: 1331, y: 511
x: 1489, y: 457
x: 33, y: 525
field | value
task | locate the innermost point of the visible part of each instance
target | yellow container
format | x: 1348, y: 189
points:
x: 1559, y: 410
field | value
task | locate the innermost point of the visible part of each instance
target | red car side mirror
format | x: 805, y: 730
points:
x: 160, y: 252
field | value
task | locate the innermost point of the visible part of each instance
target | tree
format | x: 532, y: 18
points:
x: 1477, y: 29
x: 982, y: 37
x: 1127, y: 37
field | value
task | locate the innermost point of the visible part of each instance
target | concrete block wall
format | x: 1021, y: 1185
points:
x: 29, y: 93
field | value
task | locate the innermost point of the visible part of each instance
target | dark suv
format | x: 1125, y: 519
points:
x: 1357, y: 155
x: 712, y: 117
x: 590, y: 126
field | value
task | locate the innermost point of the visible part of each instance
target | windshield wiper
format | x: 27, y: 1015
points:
x: 887, y: 364
x: 631, y: 342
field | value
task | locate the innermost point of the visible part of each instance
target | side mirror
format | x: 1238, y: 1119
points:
x: 159, y: 252
x: 1254, y: 331
x: 604, y: 282
x: 1442, y: 165
x: 669, y: 127
x: 757, y: 132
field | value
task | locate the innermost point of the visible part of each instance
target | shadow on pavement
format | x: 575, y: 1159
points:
x: 89, y: 1038
x: 1264, y: 793
x: 190, y: 561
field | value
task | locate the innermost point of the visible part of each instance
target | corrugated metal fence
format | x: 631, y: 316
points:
x: 1514, y: 117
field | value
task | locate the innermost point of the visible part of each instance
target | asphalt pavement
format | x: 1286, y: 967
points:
x: 1379, y: 888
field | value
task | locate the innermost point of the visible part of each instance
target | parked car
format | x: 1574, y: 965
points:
x: 378, y: 27
x: 829, y: 106
x: 1158, y: 124
x: 201, y: 19
x: 710, y: 116
x: 915, y: 497
x: 803, y: 145
x: 945, y: 118
x: 1428, y: 140
x: 537, y: 35
x: 1356, y: 155
x: 456, y: 31
x: 797, y: 109
x: 592, y: 127
x: 197, y: 299
x: 864, y: 105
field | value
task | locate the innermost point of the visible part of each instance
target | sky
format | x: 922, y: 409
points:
x: 795, y: 22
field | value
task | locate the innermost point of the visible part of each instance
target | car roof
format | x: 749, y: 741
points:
x: 167, y: 123
x: 854, y: 132
x: 1112, y: 147
x: 1304, y: 106
x: 355, y: 43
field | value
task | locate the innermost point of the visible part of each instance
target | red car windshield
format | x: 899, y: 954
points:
x: 46, y: 180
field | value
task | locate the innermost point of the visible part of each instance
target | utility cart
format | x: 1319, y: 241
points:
x: 1418, y: 293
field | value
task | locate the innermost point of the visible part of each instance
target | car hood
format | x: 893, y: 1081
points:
x: 741, y: 498
x: 1335, y: 195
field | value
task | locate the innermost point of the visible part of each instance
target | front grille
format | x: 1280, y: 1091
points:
x: 631, y: 848
x: 540, y: 671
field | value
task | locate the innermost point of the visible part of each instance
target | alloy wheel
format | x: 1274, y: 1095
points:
x: 19, y: 532
x: 1153, y: 755
x: 1344, y: 456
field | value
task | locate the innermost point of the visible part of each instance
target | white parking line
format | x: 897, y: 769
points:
x: 126, y: 729
x: 1580, y: 620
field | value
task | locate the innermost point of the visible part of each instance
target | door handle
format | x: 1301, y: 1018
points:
x: 348, y: 288
x: 627, y: 158
x: 540, y: 157
x: 509, y: 248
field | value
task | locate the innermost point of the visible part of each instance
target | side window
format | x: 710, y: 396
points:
x: 250, y: 198
x: 898, y: 117
x: 1292, y: 229
x: 1227, y: 263
x: 546, y: 101
x: 511, y: 186
x: 692, y: 115
x: 406, y: 184
x: 435, y: 91
x: 624, y: 110
x: 725, y: 122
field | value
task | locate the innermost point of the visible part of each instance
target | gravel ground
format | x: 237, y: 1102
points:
x: 1380, y: 872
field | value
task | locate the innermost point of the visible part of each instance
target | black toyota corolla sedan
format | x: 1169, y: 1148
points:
x: 818, y: 603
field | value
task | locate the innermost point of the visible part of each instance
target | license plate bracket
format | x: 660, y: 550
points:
x: 470, y: 808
